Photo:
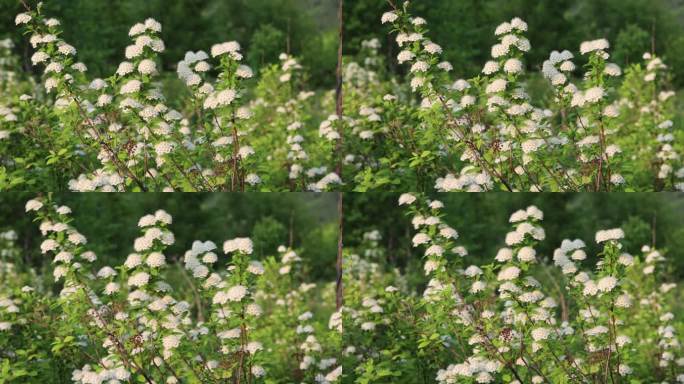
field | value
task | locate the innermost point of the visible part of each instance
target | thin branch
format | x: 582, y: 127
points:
x: 340, y: 247
x: 338, y: 90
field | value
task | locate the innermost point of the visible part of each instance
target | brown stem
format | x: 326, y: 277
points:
x: 339, y: 299
x: 338, y: 90
x: 120, y: 165
x: 236, y: 149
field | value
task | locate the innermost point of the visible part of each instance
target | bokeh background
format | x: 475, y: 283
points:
x: 265, y: 28
x: 465, y: 28
x: 306, y: 221
x: 307, y: 28
x: 482, y: 223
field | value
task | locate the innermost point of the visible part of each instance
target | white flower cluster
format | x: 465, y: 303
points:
x: 664, y: 142
x: 468, y: 181
x: 420, y: 56
x: 327, y: 128
x: 101, y: 180
x: 609, y: 235
x: 510, y: 36
x: 191, y: 68
x: 288, y: 259
x: 199, y: 259
x: 113, y: 372
x: 437, y: 238
x: 231, y: 49
x: 60, y: 66
x: 480, y: 369
x: 9, y: 308
x: 65, y: 242
x: 557, y: 68
x: 289, y: 108
x: 220, y: 99
x: 570, y: 252
x: 325, y: 182
x: 600, y: 46
x: 239, y: 244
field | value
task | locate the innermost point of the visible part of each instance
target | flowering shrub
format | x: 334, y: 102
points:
x: 248, y: 322
x: 595, y: 129
x: 119, y: 134
x: 488, y: 135
x: 519, y: 319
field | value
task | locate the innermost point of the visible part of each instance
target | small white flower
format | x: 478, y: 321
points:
x: 435, y: 250
x: 147, y: 67
x: 22, y: 18
x: 155, y: 260
x: 132, y: 86
x: 405, y: 56
x: 527, y: 254
x: 448, y: 233
x: 490, y: 67
x: 368, y: 326
x: 595, y: 45
x: 48, y: 245
x: 254, y: 346
x: 241, y: 244
x: 513, y: 66
x: 124, y: 68
x: 258, y: 371
x: 33, y: 205
x: 504, y: 255
x: 171, y: 342
x: 106, y: 272
x: 255, y: 268
x: 430, y: 266
x: 111, y: 288
x: 539, y: 334
x: 496, y: 86
x: 406, y: 199
x: 624, y: 370
x: 472, y: 271
x: 228, y: 47
x: 593, y: 95
x: 236, y: 293
x: 39, y: 57
x: 606, y: 284
x: 609, y: 234
x: 139, y: 279
x: 387, y: 17
x: 420, y: 238
x: 590, y: 288
x: 612, y: 69
x: 509, y: 273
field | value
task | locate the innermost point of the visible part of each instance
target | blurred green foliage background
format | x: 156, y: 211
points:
x: 265, y: 28
x: 306, y: 221
x: 465, y: 28
x: 307, y: 28
x: 309, y: 222
x: 482, y: 223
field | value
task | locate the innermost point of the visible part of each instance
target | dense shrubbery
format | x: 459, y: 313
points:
x: 156, y: 320
x: 518, y: 319
x: 118, y: 134
x: 596, y: 129
x: 486, y: 134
